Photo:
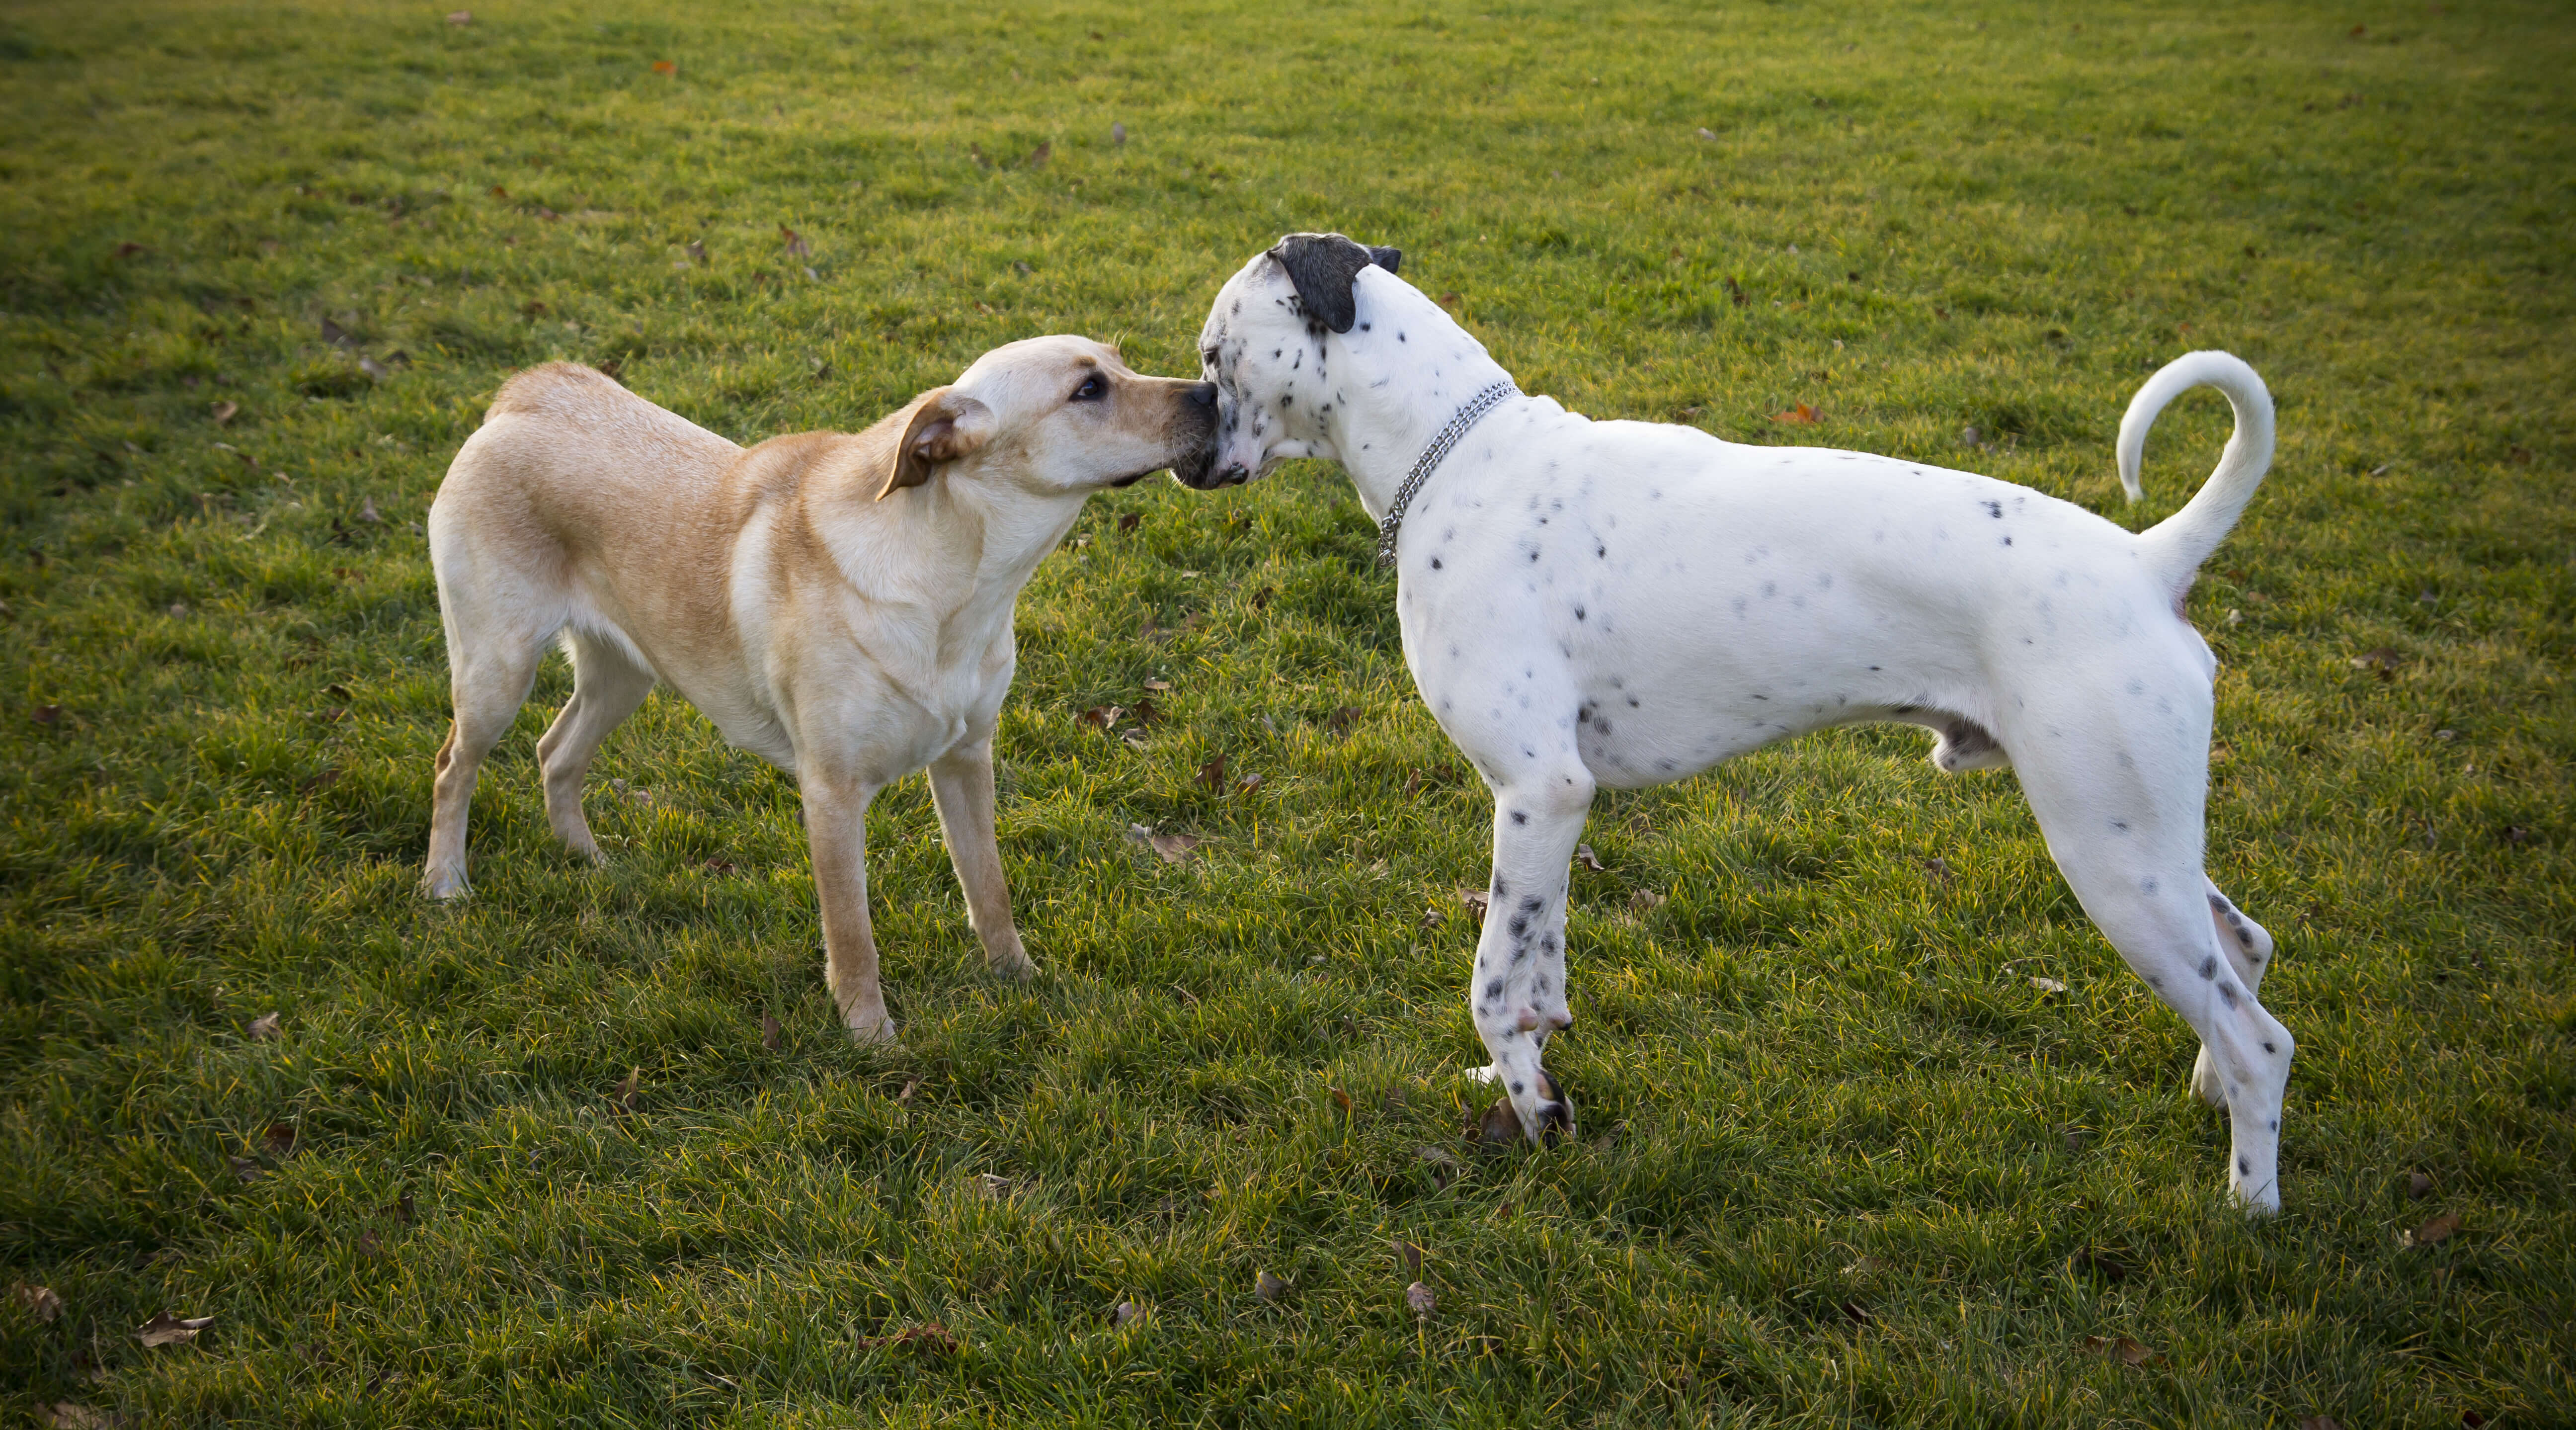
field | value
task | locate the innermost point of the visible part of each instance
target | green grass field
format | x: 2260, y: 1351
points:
x: 1843, y: 1162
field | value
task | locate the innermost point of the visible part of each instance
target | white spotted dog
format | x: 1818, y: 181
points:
x: 1626, y: 604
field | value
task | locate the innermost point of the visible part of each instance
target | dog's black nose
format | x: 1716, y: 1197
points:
x: 1201, y: 394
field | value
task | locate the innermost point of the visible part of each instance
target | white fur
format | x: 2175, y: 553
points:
x: 1590, y: 604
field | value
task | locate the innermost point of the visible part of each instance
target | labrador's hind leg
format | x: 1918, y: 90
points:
x: 607, y: 685
x: 490, y: 673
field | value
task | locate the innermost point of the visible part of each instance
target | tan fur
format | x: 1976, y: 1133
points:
x: 838, y: 603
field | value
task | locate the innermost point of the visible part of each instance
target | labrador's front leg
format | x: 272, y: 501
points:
x: 961, y: 785
x: 836, y: 830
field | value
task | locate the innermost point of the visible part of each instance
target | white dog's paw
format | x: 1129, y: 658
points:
x: 1544, y: 1111
x: 2259, y: 1200
x: 2206, y: 1083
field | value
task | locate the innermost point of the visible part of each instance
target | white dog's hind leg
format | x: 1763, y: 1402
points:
x: 1518, y: 997
x: 2248, y: 947
x: 607, y: 685
x: 2126, y: 833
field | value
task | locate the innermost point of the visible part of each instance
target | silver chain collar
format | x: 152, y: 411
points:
x: 1430, y: 460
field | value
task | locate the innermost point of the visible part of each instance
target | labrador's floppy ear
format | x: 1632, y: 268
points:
x: 1322, y: 267
x: 945, y: 426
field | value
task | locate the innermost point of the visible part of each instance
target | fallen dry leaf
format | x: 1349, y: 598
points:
x: 1412, y: 783
x: 1157, y: 686
x: 1125, y: 1314
x: 1247, y: 784
x: 796, y: 245
x: 995, y: 1185
x: 2046, y: 985
x: 367, y: 511
x: 1341, y: 1100
x: 1129, y: 520
x: 1584, y: 856
x: 2383, y: 660
x: 1475, y: 900
x: 625, y: 1096
x: 2418, y: 1186
x: 64, y: 1415
x: 1411, y: 1256
x: 1211, y: 776
x: 2320, y: 1422
x: 1268, y: 1287
x: 1707, y: 134
x: 665, y: 67
x: 1444, y: 1166
x: 279, y: 1140
x: 1422, y: 1299
x: 2099, y: 1263
x: 1039, y: 155
x: 165, y: 1329
x: 1341, y: 720
x: 1802, y: 415
x: 225, y: 412
x: 375, y: 370
x: 369, y: 1244
x: 244, y: 1168
x: 1117, y: 133
x: 1175, y: 848
x: 768, y: 1033
x: 1645, y: 901
x: 2438, y: 1229
x: 1498, y: 1127
x: 1103, y: 716
x: 1856, y: 1313
x: 696, y: 249
x: 264, y: 1026
x: 45, y: 714
x: 2122, y: 1348
x: 40, y: 1301
x: 400, y: 1209
x: 460, y: 17
x: 909, y: 1088
x: 318, y: 782
x: 1938, y: 868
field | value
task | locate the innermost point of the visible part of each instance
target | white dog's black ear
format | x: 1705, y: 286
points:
x: 944, y: 426
x: 1322, y: 267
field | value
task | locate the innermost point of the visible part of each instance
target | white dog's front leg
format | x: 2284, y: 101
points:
x: 1518, y: 997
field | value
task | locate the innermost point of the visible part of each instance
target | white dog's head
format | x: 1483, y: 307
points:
x: 1062, y: 413
x: 1264, y: 348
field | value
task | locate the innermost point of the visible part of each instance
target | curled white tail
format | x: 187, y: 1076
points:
x: 2177, y: 545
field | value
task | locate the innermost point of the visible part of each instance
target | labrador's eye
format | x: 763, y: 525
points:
x: 1093, y: 388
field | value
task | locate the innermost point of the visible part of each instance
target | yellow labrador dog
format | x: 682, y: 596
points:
x: 839, y: 604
